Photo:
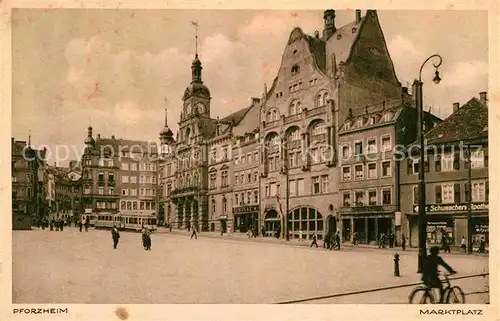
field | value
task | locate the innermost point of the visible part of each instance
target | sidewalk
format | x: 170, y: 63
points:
x: 295, y: 242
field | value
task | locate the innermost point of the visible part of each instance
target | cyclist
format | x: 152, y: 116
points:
x: 430, y: 276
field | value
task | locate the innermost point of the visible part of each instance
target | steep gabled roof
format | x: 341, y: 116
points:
x: 236, y: 117
x: 468, y: 123
x: 344, y: 38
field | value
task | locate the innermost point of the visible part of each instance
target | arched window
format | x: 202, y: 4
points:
x: 318, y: 128
x: 295, y: 108
x: 318, y: 100
x: 188, y: 180
x: 188, y: 132
x: 213, y: 206
x: 325, y: 98
x: 224, y: 204
x: 295, y: 69
x: 275, y: 115
x: 291, y: 110
x: 294, y: 134
x: 387, y: 116
x: 269, y: 116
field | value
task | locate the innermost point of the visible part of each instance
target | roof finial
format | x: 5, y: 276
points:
x: 195, y: 24
x: 166, y: 119
x: 29, y: 138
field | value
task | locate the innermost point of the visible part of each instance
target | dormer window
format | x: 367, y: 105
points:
x: 295, y: 69
x: 387, y: 116
x: 347, y: 125
x: 322, y: 99
x: 359, y: 122
x: 371, y: 120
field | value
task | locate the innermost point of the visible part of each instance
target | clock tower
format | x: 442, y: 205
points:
x: 196, y: 105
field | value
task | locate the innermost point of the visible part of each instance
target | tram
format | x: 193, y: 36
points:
x: 132, y: 222
x: 91, y: 217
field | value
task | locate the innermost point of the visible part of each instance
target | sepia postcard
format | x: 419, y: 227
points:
x: 202, y: 160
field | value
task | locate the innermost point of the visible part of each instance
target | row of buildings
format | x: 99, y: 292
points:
x: 329, y: 146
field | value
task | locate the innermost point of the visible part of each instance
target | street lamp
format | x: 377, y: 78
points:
x: 422, y: 224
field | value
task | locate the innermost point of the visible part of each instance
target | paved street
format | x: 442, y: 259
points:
x: 74, y: 267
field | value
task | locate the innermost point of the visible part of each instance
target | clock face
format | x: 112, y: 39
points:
x: 200, y: 107
x: 74, y: 176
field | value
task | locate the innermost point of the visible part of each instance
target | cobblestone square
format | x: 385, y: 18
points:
x: 79, y: 267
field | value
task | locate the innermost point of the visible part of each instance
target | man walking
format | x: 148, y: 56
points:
x: 81, y: 225
x: 403, y: 242
x: 337, y: 240
x: 116, y: 236
x: 463, y: 245
x: 194, y: 233
x: 87, y: 223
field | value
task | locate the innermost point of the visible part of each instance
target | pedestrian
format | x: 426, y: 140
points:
x: 62, y: 225
x: 314, y: 242
x: 482, y: 246
x: 446, y: 244
x: 87, y: 223
x: 194, y: 233
x: 170, y: 227
x: 116, y: 236
x: 337, y: 240
x: 81, y: 225
x: 403, y: 242
x: 391, y: 240
x: 381, y: 243
x: 354, y: 238
x: 300, y: 235
x: 463, y: 245
x: 263, y: 231
x: 144, y: 237
x: 189, y: 228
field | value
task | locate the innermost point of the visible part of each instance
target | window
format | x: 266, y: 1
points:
x: 273, y: 188
x: 437, y: 163
x: 346, y: 152
x: 236, y: 199
x: 169, y: 169
x: 224, y: 204
x: 439, y: 196
x: 242, y: 178
x: 86, y: 190
x: 478, y: 192
x: 294, y: 135
x: 236, y: 180
x: 372, y: 197
x: 358, y: 170
x: 295, y: 69
x: 101, y: 177
x: 124, y: 179
x: 255, y: 156
x: 416, y: 195
x: 300, y: 187
x: 249, y: 158
x: 134, y: 205
x: 111, y: 190
x: 324, y: 184
x: 249, y: 197
x: 100, y: 190
x: 386, y: 169
x: 133, y: 192
x: 448, y: 193
x: 315, y: 185
x: 315, y: 157
x: 213, y: 180
x: 267, y: 192
x: 125, y: 166
x: 318, y: 129
x: 359, y: 122
x: 456, y: 161
x: 372, y: 146
x: 256, y: 197
x: 359, y: 198
x: 346, y: 173
x: 133, y: 167
x: 386, y: 143
x: 133, y: 179
x: 256, y: 176
x: 477, y: 159
x: 293, y: 188
x: 358, y: 148
x: 387, y: 116
x: 372, y: 170
x: 386, y: 196
x: 249, y: 177
x: 447, y: 162
x: 346, y: 196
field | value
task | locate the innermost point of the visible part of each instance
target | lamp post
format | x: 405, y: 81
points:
x: 469, y: 200
x: 422, y: 224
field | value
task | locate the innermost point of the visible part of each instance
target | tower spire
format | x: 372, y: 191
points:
x: 29, y: 138
x: 195, y: 24
x: 166, y: 115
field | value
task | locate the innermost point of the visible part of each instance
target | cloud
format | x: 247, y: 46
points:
x: 465, y: 74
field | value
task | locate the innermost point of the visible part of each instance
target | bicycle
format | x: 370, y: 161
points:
x: 450, y: 294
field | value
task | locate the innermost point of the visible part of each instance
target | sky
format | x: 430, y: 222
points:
x: 113, y: 68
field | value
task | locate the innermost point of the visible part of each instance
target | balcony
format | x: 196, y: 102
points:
x: 271, y: 124
x: 316, y: 111
x: 292, y: 118
x: 318, y: 138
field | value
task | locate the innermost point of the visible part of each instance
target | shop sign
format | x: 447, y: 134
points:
x: 481, y: 228
x: 397, y: 218
x: 457, y: 207
x: 88, y: 211
x: 438, y: 225
x: 223, y: 217
x: 246, y: 209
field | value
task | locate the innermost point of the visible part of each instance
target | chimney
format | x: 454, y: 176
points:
x: 316, y: 34
x: 483, y: 97
x: 456, y: 106
x: 98, y: 135
x: 358, y: 16
x: 112, y: 136
x: 414, y: 92
x: 329, y: 29
x: 405, y: 90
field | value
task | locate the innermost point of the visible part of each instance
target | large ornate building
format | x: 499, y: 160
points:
x: 280, y: 154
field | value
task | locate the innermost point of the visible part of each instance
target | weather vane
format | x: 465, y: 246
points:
x: 196, y: 26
